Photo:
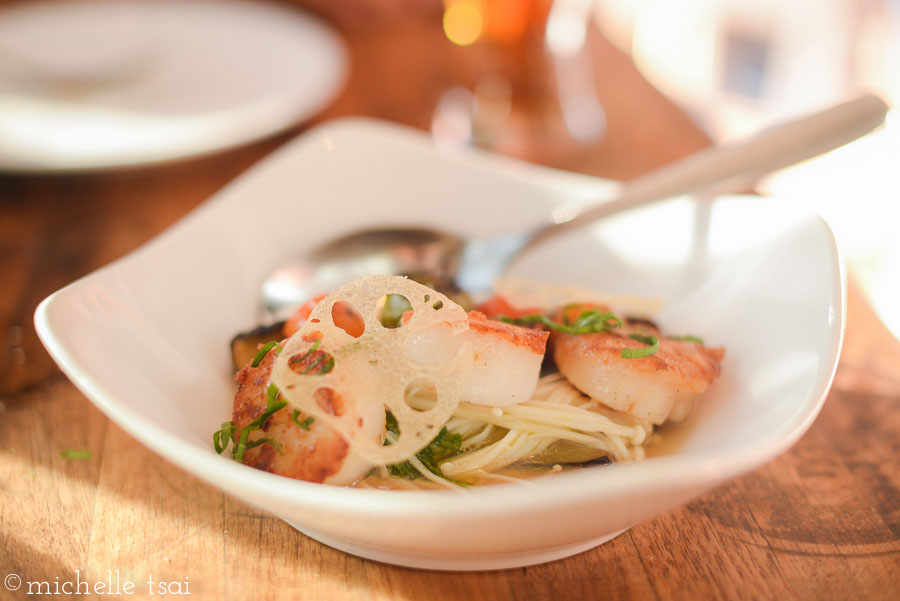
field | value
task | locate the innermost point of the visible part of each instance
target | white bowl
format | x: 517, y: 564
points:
x: 146, y: 338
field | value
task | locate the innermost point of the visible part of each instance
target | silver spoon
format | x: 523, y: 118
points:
x: 474, y: 263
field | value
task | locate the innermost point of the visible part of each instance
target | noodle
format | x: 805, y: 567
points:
x: 495, y: 438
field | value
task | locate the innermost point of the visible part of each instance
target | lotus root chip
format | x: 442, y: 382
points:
x: 377, y: 367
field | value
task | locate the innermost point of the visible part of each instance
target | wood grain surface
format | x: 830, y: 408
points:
x: 820, y: 522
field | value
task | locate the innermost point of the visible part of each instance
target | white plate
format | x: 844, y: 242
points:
x: 146, y: 338
x: 105, y: 83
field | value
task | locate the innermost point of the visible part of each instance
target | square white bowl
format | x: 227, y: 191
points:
x: 146, y: 338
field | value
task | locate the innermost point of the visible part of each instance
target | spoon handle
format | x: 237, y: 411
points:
x: 739, y: 163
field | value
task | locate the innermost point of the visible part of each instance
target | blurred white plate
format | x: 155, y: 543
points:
x: 146, y: 339
x: 105, y: 83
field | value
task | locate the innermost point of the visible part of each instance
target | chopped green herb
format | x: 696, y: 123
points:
x: 325, y: 360
x: 636, y: 353
x: 321, y: 358
x: 241, y: 446
x: 260, y: 421
x: 76, y: 453
x: 263, y: 351
x: 687, y: 339
x: 255, y: 443
x: 271, y: 395
x: 222, y: 437
x: 588, y: 322
x: 312, y: 349
x: 395, y: 305
x: 226, y: 433
x: 391, y: 425
x: 404, y: 470
x: 305, y: 424
x: 444, y: 446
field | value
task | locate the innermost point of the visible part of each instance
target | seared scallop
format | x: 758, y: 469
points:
x: 316, y: 454
x: 658, y: 387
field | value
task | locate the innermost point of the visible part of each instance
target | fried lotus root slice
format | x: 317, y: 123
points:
x: 376, y: 368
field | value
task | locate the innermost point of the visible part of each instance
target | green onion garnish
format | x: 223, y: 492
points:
x: 312, y: 349
x: 444, y: 446
x: 241, y: 446
x: 323, y: 364
x: 687, y: 339
x: 226, y: 434
x: 222, y: 437
x: 636, y: 353
x: 271, y: 395
x: 255, y: 443
x: 395, y: 305
x: 263, y: 351
x: 305, y: 424
x: 591, y: 322
x: 588, y: 322
x: 260, y: 422
x: 76, y: 454
x: 313, y: 366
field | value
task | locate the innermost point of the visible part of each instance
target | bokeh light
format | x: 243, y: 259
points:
x: 463, y: 22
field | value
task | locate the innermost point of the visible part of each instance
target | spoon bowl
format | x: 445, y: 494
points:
x: 394, y: 250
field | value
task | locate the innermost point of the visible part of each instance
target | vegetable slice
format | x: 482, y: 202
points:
x: 377, y: 367
x: 637, y: 353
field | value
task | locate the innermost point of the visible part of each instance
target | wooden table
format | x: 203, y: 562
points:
x: 820, y: 522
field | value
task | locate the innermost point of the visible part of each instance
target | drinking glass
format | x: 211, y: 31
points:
x: 524, y: 81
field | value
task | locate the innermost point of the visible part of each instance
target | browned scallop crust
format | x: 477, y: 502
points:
x: 654, y: 387
x: 534, y: 340
x: 311, y: 455
x: 695, y: 365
